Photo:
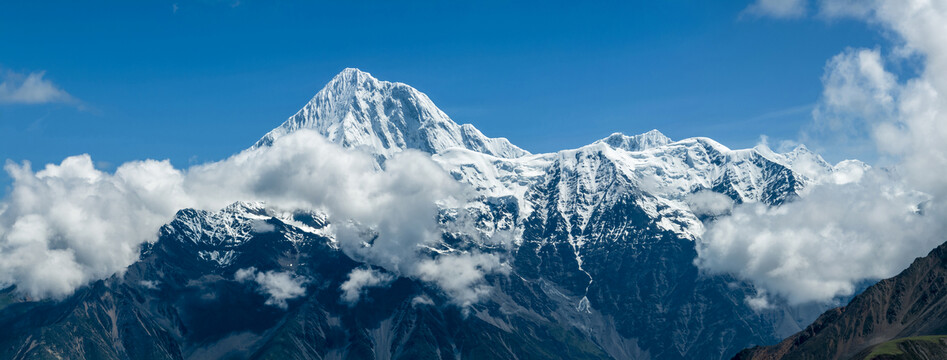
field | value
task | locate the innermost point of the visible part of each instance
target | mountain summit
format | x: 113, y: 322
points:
x: 597, y: 245
x: 359, y: 111
x: 647, y: 140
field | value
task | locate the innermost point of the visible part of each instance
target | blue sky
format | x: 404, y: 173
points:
x: 195, y: 81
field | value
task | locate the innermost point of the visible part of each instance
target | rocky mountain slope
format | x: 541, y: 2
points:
x: 601, y: 263
x: 911, y: 304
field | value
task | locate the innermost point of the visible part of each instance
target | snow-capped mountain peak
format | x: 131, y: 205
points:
x: 648, y: 140
x: 359, y: 111
x: 598, y: 242
x: 353, y: 76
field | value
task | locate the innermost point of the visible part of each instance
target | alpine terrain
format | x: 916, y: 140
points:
x: 597, y: 243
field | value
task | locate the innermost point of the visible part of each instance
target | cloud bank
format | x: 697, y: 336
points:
x: 817, y: 248
x: 867, y: 224
x: 32, y: 88
x: 69, y: 224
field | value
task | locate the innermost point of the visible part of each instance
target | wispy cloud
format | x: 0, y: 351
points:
x: 32, y: 88
x: 781, y: 113
x: 777, y: 8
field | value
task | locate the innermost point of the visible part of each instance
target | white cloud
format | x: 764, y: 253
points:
x: 149, y: 284
x: 260, y: 226
x: 361, y: 279
x: 279, y: 287
x: 817, y: 248
x: 30, y: 89
x: 856, y: 87
x: 462, y: 276
x: 709, y: 203
x: 861, y: 223
x: 69, y: 224
x: 758, y: 302
x: 421, y: 300
x: 777, y: 8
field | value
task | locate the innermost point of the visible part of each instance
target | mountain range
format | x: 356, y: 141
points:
x: 601, y: 264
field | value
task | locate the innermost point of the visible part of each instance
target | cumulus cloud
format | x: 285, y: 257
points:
x: 32, y: 88
x: 260, y: 226
x: 859, y: 223
x: 69, y: 224
x: 385, y: 218
x: 361, y: 279
x: 709, y: 203
x: 856, y: 88
x: 278, y: 287
x: 777, y: 8
x: 462, y: 276
x: 817, y: 248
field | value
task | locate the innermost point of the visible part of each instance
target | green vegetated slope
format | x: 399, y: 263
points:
x: 912, y: 348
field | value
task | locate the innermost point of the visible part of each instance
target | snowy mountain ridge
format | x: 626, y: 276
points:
x: 629, y: 192
x: 595, y: 246
x: 356, y: 110
x: 223, y: 232
x: 647, y: 140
